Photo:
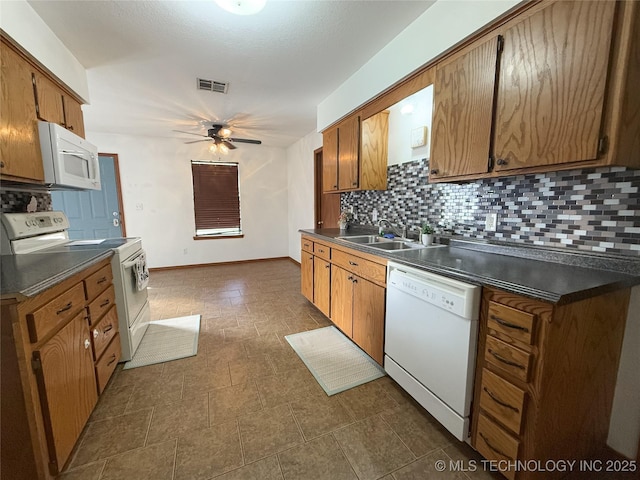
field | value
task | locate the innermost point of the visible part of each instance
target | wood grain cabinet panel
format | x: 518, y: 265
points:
x: 101, y: 304
x: 496, y: 444
x: 306, y: 275
x: 48, y: 98
x: 463, y: 106
x: 99, y: 281
x: 348, y: 153
x: 107, y: 363
x: 368, y: 317
x: 73, y: 117
x: 104, y: 332
x: 55, y: 313
x: 19, y: 141
x: 321, y: 284
x: 67, y: 387
x: 501, y: 399
x: 342, y: 299
x: 374, y: 152
x: 330, y: 160
x: 508, y: 358
x: 553, y: 74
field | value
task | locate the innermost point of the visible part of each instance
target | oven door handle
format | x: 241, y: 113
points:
x: 130, y: 263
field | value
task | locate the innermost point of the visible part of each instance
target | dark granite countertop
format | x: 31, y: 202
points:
x: 27, y: 275
x: 539, y: 273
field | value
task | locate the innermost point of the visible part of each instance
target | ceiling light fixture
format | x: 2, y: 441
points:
x: 242, y: 7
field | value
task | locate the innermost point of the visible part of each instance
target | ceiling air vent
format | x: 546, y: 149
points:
x: 212, y: 86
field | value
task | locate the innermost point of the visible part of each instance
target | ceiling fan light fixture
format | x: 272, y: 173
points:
x: 223, y: 148
x: 242, y: 7
x: 225, y: 132
x: 213, y: 148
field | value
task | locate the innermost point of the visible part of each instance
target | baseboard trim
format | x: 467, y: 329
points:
x: 214, y: 264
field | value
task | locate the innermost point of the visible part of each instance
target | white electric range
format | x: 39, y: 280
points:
x: 46, y: 232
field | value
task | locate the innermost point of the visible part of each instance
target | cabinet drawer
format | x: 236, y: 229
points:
x: 96, y: 283
x: 508, y: 358
x: 364, y: 268
x: 493, y: 443
x: 516, y: 324
x: 107, y: 363
x: 306, y: 245
x: 54, y: 313
x: 322, y: 250
x: 104, y: 331
x: 101, y: 304
x: 502, y: 400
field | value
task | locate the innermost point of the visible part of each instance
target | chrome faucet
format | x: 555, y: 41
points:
x: 402, y: 233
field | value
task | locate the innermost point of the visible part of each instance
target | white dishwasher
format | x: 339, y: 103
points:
x: 431, y: 334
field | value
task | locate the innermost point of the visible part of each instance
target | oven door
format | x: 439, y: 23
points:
x: 134, y: 298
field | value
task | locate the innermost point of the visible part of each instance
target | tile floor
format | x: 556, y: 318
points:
x: 245, y: 407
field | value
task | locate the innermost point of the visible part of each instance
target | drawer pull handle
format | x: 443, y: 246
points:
x: 65, y: 308
x: 108, y: 328
x: 87, y: 343
x: 96, y: 333
x: 355, y: 280
x: 509, y: 325
x: 102, y: 280
x: 105, y: 303
x: 328, y: 265
x: 350, y: 277
x: 505, y: 361
x: 353, y: 263
x: 498, y: 451
x: 113, y: 359
x: 500, y: 402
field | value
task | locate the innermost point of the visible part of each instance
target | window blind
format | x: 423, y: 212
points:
x: 216, y: 198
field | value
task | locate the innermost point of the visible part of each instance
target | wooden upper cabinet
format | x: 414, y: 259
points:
x: 463, y: 105
x: 348, y: 153
x: 73, y: 118
x: 19, y: 141
x: 330, y: 160
x: 551, y: 95
x: 48, y: 98
x: 374, y: 152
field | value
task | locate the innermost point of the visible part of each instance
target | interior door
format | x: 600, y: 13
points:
x: 94, y: 213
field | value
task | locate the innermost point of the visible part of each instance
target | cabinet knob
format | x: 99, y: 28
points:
x: 335, y: 186
x: 354, y: 184
x: 87, y: 343
x: 502, y: 161
x: 70, y: 127
x: 96, y: 333
x: 434, y: 171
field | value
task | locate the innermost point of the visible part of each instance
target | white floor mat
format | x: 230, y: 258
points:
x: 334, y: 360
x: 167, y: 340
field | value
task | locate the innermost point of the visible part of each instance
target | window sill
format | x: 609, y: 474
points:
x: 218, y: 237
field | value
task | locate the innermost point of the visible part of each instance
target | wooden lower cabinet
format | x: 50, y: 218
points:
x: 66, y: 386
x: 56, y: 360
x: 306, y: 275
x: 545, y: 378
x: 368, y: 317
x: 342, y: 299
x: 321, y: 284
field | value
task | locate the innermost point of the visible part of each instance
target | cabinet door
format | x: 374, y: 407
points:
x: 73, y: 118
x: 48, y: 98
x: 19, y: 143
x: 551, y: 92
x: 306, y: 275
x: 321, y: 286
x: 374, y: 155
x: 368, y: 317
x: 330, y: 160
x: 67, y: 387
x: 348, y: 153
x: 342, y: 299
x: 462, y: 112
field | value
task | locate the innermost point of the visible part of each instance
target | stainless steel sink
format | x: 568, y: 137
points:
x: 366, y: 239
x: 396, y: 245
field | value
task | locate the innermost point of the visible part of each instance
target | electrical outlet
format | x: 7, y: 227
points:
x: 490, y: 222
x: 374, y: 215
x: 185, y: 251
x: 139, y: 206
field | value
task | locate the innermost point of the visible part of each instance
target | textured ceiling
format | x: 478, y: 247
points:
x: 143, y: 58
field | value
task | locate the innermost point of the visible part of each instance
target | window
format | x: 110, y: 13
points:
x: 216, y: 199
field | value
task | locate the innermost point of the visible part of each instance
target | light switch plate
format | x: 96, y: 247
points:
x: 418, y: 137
x: 490, y: 222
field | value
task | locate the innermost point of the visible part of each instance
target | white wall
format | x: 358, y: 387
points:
x: 624, y: 429
x: 23, y: 24
x: 402, y: 124
x: 441, y: 26
x: 300, y: 167
x: 156, y: 175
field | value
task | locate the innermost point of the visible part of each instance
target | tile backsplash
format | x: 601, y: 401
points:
x: 591, y: 209
x: 16, y: 201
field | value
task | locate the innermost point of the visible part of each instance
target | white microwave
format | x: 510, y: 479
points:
x: 69, y: 161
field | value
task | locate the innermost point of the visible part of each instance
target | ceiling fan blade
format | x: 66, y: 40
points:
x: 245, y: 140
x: 229, y: 145
x: 196, y: 141
x: 190, y: 133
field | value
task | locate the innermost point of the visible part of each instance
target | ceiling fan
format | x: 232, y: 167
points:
x: 219, y: 134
